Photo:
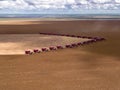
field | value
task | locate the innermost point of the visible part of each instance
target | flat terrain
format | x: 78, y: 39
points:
x: 91, y: 67
x: 16, y: 44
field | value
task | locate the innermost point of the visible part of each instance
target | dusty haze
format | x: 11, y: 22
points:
x: 16, y: 44
x: 91, y: 67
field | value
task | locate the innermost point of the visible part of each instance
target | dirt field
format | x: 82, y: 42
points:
x: 16, y: 44
x: 91, y: 67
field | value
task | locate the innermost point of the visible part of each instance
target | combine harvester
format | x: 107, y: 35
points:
x: 28, y: 52
x: 52, y: 48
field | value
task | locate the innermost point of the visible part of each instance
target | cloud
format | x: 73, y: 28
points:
x: 25, y: 5
x: 117, y: 1
x: 102, y: 1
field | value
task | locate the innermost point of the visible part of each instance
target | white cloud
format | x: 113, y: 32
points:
x: 58, y: 4
x: 18, y: 4
x: 117, y: 1
x: 101, y: 1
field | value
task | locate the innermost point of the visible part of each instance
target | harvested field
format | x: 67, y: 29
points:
x: 91, y: 67
x: 12, y: 44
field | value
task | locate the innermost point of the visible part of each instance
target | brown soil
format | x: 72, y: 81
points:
x: 91, y: 67
x: 16, y: 44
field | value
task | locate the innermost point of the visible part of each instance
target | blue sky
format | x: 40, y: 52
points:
x: 60, y: 6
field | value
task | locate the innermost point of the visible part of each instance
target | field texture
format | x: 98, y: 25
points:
x: 91, y: 67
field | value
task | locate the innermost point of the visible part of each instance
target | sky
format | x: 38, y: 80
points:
x: 59, y: 6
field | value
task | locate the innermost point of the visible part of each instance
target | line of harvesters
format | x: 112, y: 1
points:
x: 51, y: 48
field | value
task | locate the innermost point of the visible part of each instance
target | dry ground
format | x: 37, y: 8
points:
x: 92, y: 67
x: 11, y: 44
